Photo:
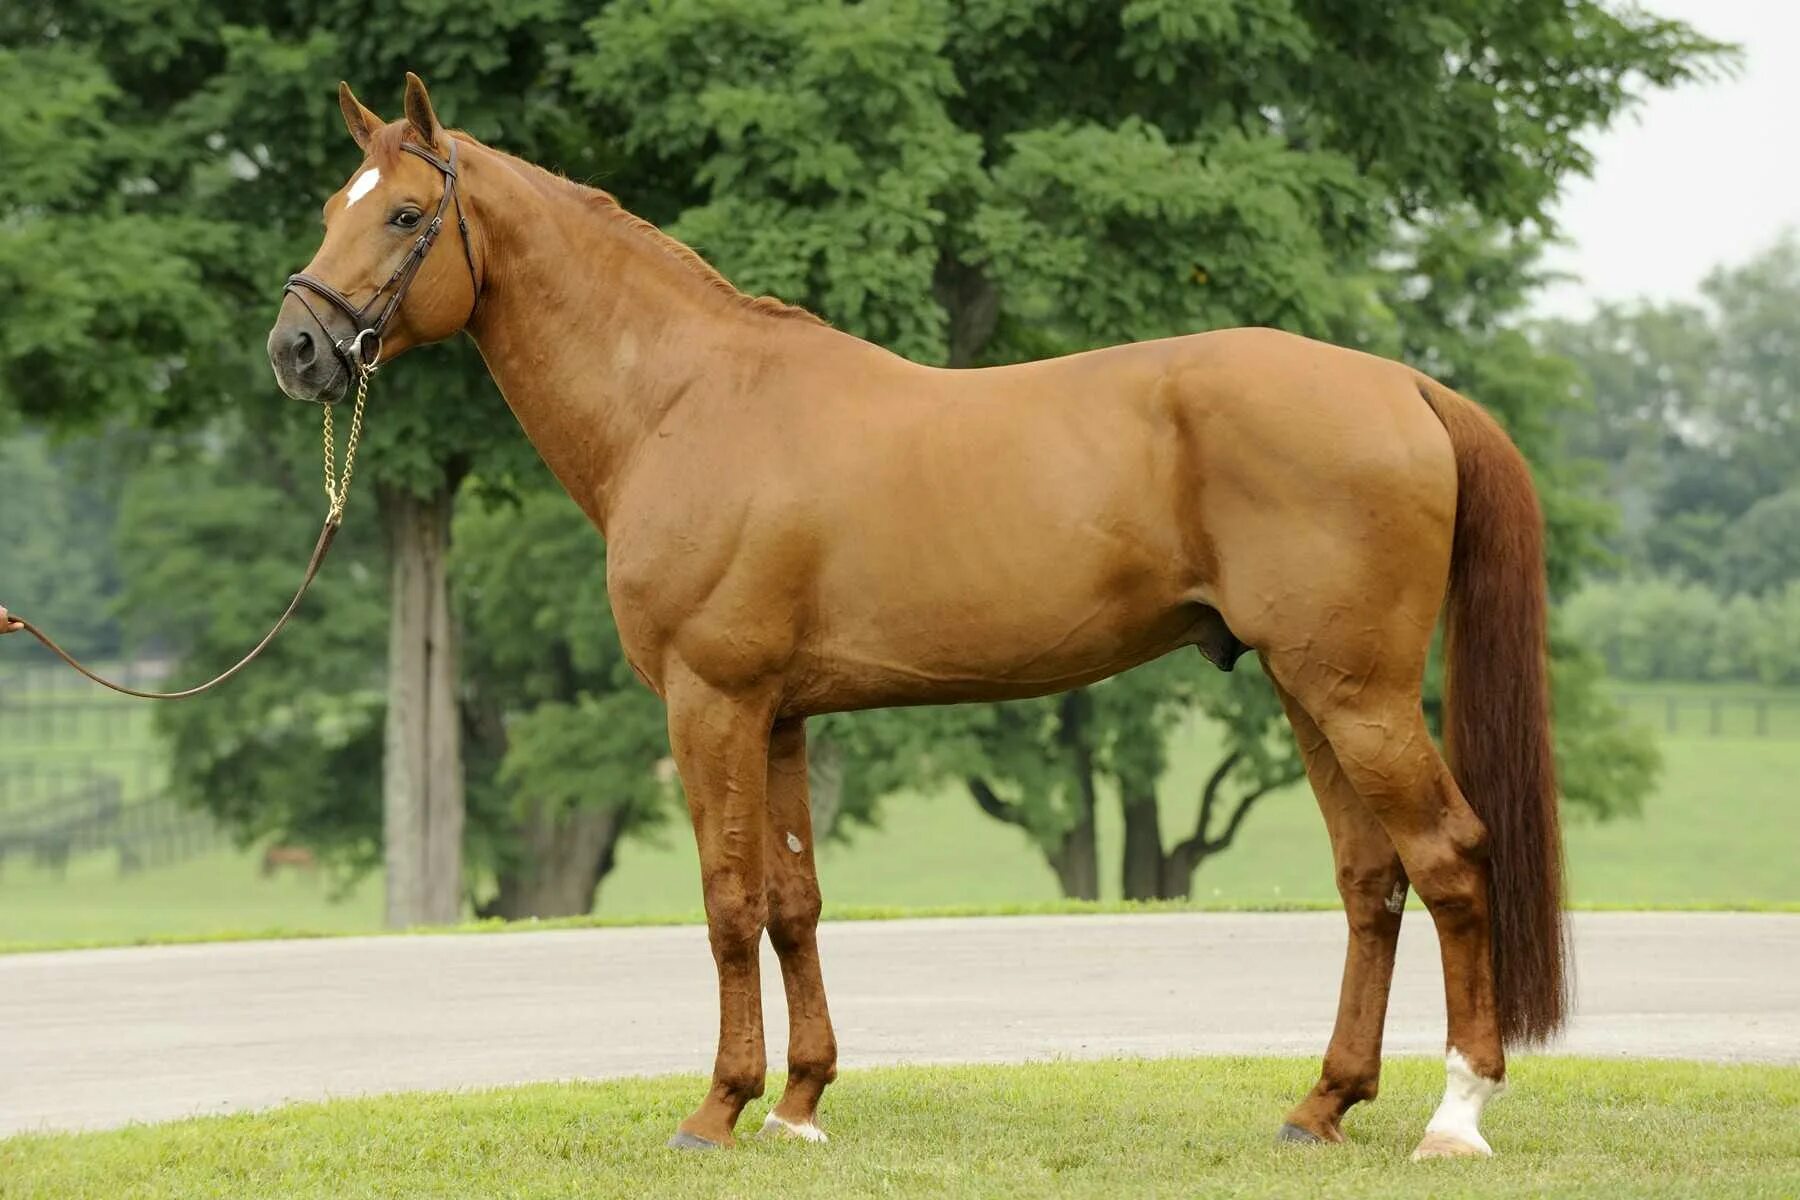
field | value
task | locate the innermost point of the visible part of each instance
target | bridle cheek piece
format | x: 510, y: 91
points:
x: 354, y: 350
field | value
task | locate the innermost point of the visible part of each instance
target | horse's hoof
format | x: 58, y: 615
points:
x: 1446, y: 1145
x: 683, y: 1140
x: 774, y: 1126
x: 1291, y: 1134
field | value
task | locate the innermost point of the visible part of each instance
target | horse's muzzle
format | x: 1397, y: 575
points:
x: 306, y: 366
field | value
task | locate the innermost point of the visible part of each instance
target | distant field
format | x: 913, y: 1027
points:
x: 1712, y: 709
x: 1721, y: 830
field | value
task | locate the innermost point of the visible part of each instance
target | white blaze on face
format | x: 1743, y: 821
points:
x: 365, y: 183
x: 1465, y: 1095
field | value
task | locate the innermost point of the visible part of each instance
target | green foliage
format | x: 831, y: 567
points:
x: 1655, y: 629
x: 556, y: 720
x: 1071, y: 174
x: 1606, y: 765
x: 55, y: 567
x: 1760, y: 552
x: 1693, y: 411
x: 210, y: 546
x: 979, y: 182
x: 816, y: 138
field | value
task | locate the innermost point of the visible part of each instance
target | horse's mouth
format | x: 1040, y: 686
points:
x: 326, y: 382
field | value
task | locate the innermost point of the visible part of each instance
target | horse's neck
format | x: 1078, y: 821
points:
x: 591, y: 328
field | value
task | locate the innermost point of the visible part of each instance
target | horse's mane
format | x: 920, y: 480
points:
x: 386, y: 144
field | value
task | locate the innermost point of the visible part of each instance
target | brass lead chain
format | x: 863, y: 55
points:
x: 337, y: 488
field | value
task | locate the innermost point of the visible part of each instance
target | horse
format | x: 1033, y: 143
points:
x: 800, y: 522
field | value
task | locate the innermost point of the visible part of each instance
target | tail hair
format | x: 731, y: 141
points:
x: 1497, y: 734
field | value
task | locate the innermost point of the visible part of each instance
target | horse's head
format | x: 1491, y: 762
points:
x: 396, y: 268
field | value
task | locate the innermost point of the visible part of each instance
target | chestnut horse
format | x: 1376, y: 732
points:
x: 800, y: 522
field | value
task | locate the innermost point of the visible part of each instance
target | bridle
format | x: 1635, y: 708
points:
x: 353, y: 350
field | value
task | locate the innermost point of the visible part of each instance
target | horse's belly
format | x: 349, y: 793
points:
x: 988, y: 647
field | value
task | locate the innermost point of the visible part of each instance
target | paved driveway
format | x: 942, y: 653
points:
x: 104, y: 1037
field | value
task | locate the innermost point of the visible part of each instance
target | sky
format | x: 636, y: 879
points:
x: 1701, y: 175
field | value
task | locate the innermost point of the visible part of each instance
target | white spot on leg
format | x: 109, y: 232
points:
x: 794, y: 843
x: 365, y: 183
x: 1455, y: 1126
x: 776, y: 1127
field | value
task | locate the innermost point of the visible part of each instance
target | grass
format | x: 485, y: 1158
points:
x: 1182, y: 1127
x: 1718, y: 833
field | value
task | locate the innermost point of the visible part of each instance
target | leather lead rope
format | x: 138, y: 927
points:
x: 337, y: 492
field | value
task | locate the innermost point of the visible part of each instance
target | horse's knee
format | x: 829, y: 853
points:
x: 794, y: 911
x: 735, y: 915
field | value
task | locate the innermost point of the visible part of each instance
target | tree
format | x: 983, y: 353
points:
x: 1007, y: 179
x: 55, y: 550
x: 1761, y: 550
x: 174, y: 162
x: 291, y: 752
x: 978, y: 183
x: 565, y: 742
x: 1694, y: 411
x: 1260, y: 757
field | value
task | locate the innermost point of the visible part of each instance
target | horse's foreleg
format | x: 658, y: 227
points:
x: 1373, y: 887
x: 793, y: 927
x: 721, y: 745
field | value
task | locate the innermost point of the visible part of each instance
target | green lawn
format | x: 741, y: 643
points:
x: 1720, y: 830
x: 1198, y: 1127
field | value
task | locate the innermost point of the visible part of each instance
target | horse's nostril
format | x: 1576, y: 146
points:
x: 304, y: 350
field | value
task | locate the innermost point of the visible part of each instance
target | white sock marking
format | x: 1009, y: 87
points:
x: 1465, y: 1095
x: 365, y: 183
x: 807, y: 1132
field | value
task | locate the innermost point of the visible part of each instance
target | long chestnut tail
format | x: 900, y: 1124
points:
x: 1497, y: 712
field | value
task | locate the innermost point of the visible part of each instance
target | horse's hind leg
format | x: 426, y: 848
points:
x: 721, y: 745
x: 793, y: 887
x: 1373, y: 886
x: 1377, y: 732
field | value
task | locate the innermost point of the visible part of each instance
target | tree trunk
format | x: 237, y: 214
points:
x: 422, y: 774
x: 1142, y: 877
x: 972, y: 303
x: 1077, y: 861
x: 1178, y: 869
x: 1075, y: 857
x: 565, y: 856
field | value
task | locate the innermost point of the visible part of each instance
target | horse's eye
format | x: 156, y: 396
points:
x: 407, y: 218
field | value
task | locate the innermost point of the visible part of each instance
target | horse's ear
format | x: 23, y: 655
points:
x: 361, y: 122
x: 419, y: 114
